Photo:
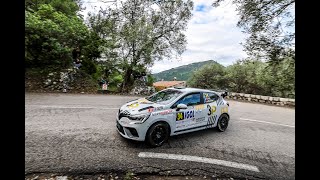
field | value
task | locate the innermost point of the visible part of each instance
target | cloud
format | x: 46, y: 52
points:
x: 211, y: 34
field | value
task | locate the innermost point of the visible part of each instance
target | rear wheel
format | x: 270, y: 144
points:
x: 157, y: 134
x: 223, y: 122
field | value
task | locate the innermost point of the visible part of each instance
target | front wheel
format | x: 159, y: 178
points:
x: 223, y: 122
x: 157, y: 134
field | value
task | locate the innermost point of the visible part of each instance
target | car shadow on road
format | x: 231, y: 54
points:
x: 178, y: 141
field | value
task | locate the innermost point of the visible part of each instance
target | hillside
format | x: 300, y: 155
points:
x: 182, y: 73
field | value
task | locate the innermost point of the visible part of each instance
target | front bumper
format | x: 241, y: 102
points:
x: 128, y: 129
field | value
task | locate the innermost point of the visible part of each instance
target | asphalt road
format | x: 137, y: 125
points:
x: 76, y: 133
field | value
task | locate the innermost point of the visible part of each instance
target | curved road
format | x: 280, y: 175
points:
x: 76, y: 133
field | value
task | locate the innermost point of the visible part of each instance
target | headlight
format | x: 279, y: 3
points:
x: 139, y: 117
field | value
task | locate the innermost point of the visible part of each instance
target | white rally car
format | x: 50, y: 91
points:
x: 170, y: 112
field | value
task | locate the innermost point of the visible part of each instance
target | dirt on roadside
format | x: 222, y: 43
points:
x: 117, y: 176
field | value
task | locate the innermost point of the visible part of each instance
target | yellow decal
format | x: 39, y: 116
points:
x: 214, y: 108
x: 133, y: 105
x: 142, y: 100
x: 199, y: 107
x: 179, y: 116
x: 224, y: 110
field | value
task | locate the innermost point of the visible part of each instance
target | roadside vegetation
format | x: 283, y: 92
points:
x: 119, y: 44
x: 248, y: 76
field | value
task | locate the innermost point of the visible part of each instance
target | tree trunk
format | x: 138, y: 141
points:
x: 127, y: 81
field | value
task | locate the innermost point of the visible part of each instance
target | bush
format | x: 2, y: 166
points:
x: 89, y: 67
x: 249, y: 76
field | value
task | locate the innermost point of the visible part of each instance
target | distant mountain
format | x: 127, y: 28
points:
x: 182, y: 73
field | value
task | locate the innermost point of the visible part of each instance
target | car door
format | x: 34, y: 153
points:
x: 211, y: 109
x: 185, y: 119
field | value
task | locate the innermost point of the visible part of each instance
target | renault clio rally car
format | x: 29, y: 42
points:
x: 171, y: 112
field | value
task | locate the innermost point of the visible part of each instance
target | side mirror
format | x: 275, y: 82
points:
x: 181, y: 106
x: 224, y: 94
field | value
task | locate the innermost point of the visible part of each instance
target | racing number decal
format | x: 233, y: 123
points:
x: 180, y: 116
x: 212, y: 109
x: 185, y: 115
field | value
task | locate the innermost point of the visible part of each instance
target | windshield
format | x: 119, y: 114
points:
x: 164, y: 97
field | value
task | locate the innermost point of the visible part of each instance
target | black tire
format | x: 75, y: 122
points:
x: 223, y: 122
x: 157, y: 134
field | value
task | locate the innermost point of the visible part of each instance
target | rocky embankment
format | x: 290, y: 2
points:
x: 66, y: 80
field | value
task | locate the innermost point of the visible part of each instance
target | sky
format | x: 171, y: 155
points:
x: 211, y: 35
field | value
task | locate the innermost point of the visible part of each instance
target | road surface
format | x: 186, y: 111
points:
x: 76, y: 133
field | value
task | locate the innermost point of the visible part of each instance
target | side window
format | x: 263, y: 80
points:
x: 210, y: 97
x: 189, y: 100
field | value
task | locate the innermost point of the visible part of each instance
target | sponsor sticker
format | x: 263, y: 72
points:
x: 185, y: 115
x: 224, y: 110
x: 200, y: 119
x: 169, y: 111
x: 165, y: 112
x: 199, y: 107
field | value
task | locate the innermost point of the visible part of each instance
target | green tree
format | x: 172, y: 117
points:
x: 270, y: 24
x: 249, y: 76
x: 278, y: 79
x: 143, y: 33
x: 150, y: 80
x: 67, y: 7
x: 243, y: 76
x: 53, y: 30
x: 209, y: 77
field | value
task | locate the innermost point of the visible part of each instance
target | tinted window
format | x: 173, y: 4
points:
x: 165, y: 96
x: 189, y: 100
x: 210, y: 97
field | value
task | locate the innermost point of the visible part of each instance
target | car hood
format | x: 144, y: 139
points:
x: 140, y: 106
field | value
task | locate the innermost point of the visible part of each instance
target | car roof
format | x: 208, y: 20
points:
x: 187, y: 90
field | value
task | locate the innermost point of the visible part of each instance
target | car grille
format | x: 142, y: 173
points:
x: 124, y: 113
x: 133, y: 131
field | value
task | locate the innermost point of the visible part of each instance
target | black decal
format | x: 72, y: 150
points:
x: 209, y: 109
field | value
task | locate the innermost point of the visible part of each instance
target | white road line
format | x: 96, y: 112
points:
x: 245, y: 119
x: 198, y: 159
x: 71, y: 107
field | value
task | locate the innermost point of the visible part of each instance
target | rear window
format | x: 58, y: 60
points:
x: 165, y: 96
x: 209, y: 97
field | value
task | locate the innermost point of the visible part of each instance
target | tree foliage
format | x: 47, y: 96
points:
x: 243, y: 76
x: 53, y: 30
x: 142, y: 32
x: 249, y: 76
x: 67, y: 7
x: 209, y: 77
x: 270, y: 24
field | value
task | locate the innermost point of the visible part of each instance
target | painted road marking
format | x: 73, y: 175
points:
x: 198, y: 159
x: 71, y: 107
x: 253, y: 120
